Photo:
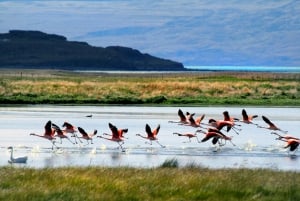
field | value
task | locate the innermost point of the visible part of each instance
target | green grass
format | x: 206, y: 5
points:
x: 191, y: 183
x: 63, y: 87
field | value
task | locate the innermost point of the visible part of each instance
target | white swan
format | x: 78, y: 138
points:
x: 16, y: 160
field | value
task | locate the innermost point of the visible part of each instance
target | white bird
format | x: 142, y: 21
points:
x: 16, y: 160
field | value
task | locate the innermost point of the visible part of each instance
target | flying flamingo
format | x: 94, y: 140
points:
x: 115, y: 136
x: 16, y: 160
x: 227, y: 117
x: 272, y: 126
x: 291, y: 143
x: 188, y: 135
x: 60, y: 134
x: 195, y: 122
x: 183, y: 119
x: 220, y: 124
x: 69, y: 128
x: 286, y: 137
x: 216, y: 136
x: 86, y: 136
x: 49, y: 133
x: 247, y: 119
x: 120, y: 132
x: 151, y: 135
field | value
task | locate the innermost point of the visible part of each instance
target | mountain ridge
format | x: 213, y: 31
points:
x: 36, y: 49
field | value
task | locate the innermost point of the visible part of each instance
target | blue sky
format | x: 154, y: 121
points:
x: 194, y: 32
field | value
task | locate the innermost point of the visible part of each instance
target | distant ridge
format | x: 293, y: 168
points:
x: 35, y: 49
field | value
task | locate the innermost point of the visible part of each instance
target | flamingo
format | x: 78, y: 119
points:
x: 216, y: 135
x: 86, y: 136
x: 286, y: 137
x: 69, y: 128
x: 272, y: 126
x: 16, y: 160
x: 189, y: 135
x: 183, y: 119
x: 115, y: 136
x: 195, y: 122
x: 291, y: 143
x: 246, y: 118
x: 120, y: 132
x: 60, y: 134
x: 151, y: 134
x: 220, y: 124
x: 49, y: 133
x: 228, y: 118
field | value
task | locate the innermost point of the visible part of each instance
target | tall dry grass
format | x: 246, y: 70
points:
x: 141, y: 88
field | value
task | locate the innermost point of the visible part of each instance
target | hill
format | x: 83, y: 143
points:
x: 35, y: 49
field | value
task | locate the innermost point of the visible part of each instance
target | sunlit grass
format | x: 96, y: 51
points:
x: 222, y: 89
x: 191, y: 183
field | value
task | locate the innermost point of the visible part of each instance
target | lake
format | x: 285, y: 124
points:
x: 255, y: 147
x: 270, y: 69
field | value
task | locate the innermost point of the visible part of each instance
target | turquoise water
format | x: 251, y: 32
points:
x: 246, y: 68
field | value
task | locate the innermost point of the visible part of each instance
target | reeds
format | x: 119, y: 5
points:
x: 221, y: 89
x: 169, y: 183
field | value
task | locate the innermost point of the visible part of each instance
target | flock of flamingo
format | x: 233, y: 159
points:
x: 212, y: 130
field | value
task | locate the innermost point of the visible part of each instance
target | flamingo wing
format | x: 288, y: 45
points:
x: 156, y: 130
x: 48, y: 128
x: 114, y: 130
x: 293, y: 145
x: 67, y: 125
x: 199, y: 119
x: 226, y: 116
x: 192, y: 120
x: 245, y: 115
x: 215, y: 140
x: 181, y: 115
x: 57, y: 129
x: 209, y: 135
x: 82, y: 131
x: 268, y: 121
x: 148, y: 131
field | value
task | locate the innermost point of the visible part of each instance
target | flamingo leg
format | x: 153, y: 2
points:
x: 160, y: 144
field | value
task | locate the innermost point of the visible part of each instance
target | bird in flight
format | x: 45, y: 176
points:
x: 48, y: 134
x: 272, y: 126
x: 183, y: 119
x: 60, y: 134
x: 86, y: 136
x: 151, y: 134
x: 115, y: 136
x: 247, y: 118
x: 188, y: 135
x: 216, y: 135
x: 69, y: 128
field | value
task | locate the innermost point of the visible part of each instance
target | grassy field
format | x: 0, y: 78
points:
x: 97, y: 183
x: 62, y: 87
x: 164, y: 183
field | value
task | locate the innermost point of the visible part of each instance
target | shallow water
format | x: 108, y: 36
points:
x: 255, y: 147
